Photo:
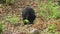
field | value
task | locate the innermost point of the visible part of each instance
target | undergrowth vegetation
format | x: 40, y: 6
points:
x: 10, y: 1
x: 1, y: 27
x: 13, y: 20
x: 7, y: 1
x: 49, y: 11
x: 50, y: 29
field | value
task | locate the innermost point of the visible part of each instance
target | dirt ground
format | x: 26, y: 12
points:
x: 17, y: 9
x: 21, y: 29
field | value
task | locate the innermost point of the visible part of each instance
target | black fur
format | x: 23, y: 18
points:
x: 28, y: 13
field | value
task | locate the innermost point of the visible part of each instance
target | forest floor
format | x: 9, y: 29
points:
x: 24, y: 29
x: 20, y: 28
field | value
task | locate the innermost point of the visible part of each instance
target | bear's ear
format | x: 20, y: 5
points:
x: 26, y: 21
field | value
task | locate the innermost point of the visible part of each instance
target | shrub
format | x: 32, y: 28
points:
x: 9, y: 1
x: 49, y: 11
x: 1, y: 27
x: 51, y: 28
x: 13, y: 20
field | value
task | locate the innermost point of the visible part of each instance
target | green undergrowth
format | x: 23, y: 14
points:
x: 50, y: 29
x: 13, y: 20
x: 10, y: 1
x: 49, y: 11
x: 7, y: 1
x: 1, y: 27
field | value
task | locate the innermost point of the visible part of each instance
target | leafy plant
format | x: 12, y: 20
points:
x: 51, y: 28
x: 26, y: 21
x: 13, y: 20
x: 56, y: 32
x: 9, y: 1
x: 1, y: 27
x: 49, y: 11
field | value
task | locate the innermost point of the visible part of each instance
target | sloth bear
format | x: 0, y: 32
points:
x: 28, y: 15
